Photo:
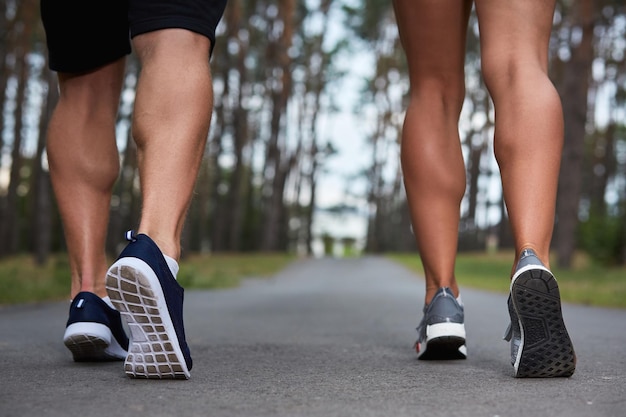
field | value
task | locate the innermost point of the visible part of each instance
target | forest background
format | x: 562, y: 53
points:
x: 309, y: 104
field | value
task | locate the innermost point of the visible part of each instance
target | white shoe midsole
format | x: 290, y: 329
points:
x: 95, y: 331
x: 434, y: 331
x: 90, y: 329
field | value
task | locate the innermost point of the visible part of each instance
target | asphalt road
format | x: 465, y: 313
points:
x: 325, y: 338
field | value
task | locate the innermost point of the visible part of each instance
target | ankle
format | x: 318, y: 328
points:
x: 431, y: 290
x: 167, y: 245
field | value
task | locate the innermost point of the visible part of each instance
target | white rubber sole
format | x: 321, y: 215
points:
x: 92, y: 342
x: 444, y: 341
x: 154, y: 351
x: 438, y: 330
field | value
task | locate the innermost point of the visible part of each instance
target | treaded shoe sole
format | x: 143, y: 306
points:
x: 444, y: 341
x: 546, y: 349
x: 88, y: 342
x: 154, y: 352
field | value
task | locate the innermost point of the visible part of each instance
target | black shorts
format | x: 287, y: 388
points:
x: 85, y: 34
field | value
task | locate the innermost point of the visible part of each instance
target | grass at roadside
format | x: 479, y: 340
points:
x: 585, y: 283
x: 227, y: 270
x: 21, y: 281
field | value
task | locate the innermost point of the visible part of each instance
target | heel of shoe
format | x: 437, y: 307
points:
x: 546, y: 349
x: 87, y: 341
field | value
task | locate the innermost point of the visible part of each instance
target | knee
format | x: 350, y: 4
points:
x: 444, y: 90
x: 509, y: 74
x: 498, y: 73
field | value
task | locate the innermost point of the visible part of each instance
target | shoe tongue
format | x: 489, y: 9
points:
x: 528, y: 257
x: 441, y: 292
x: 527, y: 252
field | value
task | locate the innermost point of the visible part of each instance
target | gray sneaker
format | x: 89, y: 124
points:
x: 441, y: 333
x: 540, y: 344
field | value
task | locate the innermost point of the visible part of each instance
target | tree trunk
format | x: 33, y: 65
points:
x: 122, y: 216
x: 12, y: 217
x: 574, y: 92
x: 42, y: 204
x: 240, y: 182
x: 219, y: 210
x: 603, y: 167
x: 279, y: 96
x: 4, y: 70
x: 476, y: 153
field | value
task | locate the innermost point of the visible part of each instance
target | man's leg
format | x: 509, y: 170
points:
x: 83, y: 160
x: 84, y: 165
x: 171, y: 123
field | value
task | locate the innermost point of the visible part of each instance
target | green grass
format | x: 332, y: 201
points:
x: 21, y: 281
x: 227, y: 270
x: 585, y: 283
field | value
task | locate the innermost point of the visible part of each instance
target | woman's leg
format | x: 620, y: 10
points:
x: 529, y: 120
x: 528, y: 143
x: 433, y: 34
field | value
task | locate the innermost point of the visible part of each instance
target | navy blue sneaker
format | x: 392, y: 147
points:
x: 441, y: 333
x: 142, y: 287
x: 94, y: 331
x: 540, y: 344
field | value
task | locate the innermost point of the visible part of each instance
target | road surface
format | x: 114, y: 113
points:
x: 325, y: 337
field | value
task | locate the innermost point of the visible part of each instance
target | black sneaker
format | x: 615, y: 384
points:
x: 441, y: 333
x: 540, y: 344
x: 143, y: 289
x: 94, y: 330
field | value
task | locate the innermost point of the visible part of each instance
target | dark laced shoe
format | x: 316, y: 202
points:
x: 94, y: 331
x: 540, y: 344
x: 441, y: 333
x: 142, y: 287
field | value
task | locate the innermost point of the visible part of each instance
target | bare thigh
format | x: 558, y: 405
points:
x: 433, y: 34
x: 514, y: 36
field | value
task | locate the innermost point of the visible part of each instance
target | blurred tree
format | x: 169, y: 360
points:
x: 574, y: 90
x: 275, y: 75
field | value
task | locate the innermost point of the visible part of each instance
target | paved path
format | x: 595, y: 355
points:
x: 323, y: 338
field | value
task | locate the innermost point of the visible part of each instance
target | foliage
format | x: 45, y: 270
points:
x: 365, y: 18
x: 278, y: 76
x: 603, y: 236
x: 227, y: 270
x: 22, y: 281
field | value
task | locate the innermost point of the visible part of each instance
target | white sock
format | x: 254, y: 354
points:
x: 458, y: 300
x: 171, y: 262
x: 107, y: 300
